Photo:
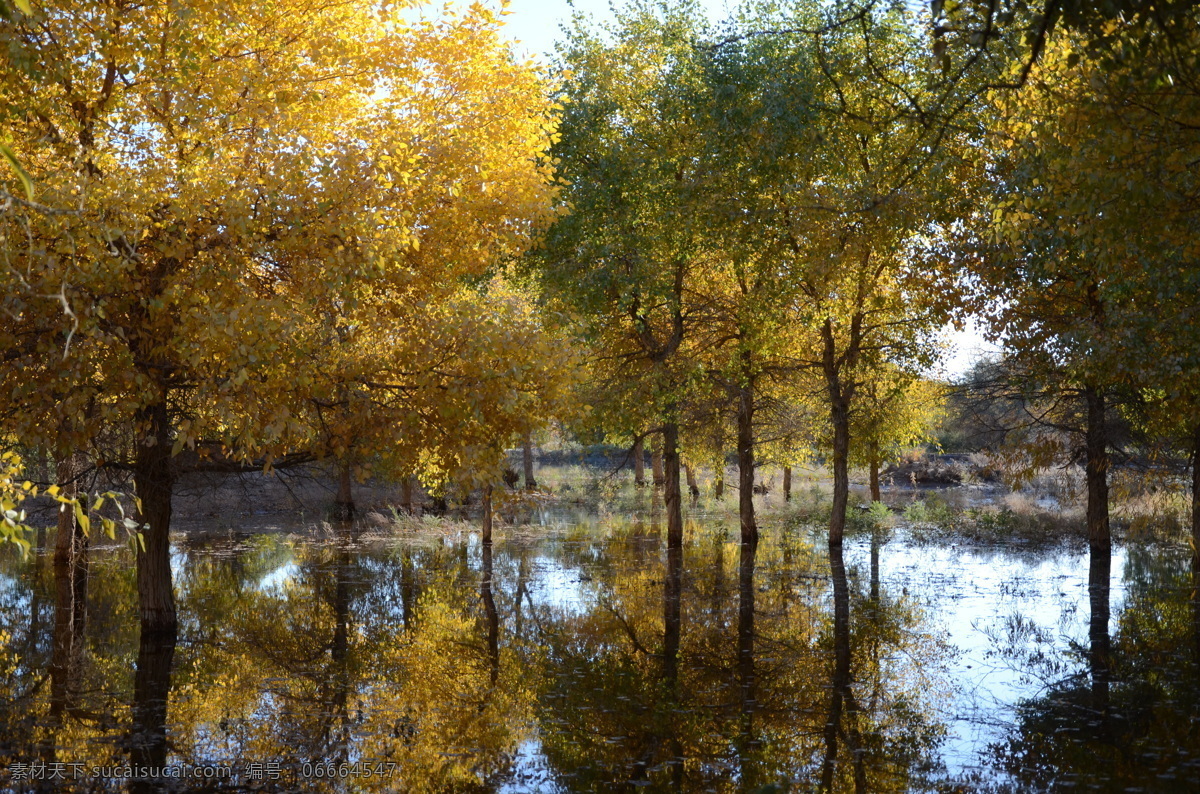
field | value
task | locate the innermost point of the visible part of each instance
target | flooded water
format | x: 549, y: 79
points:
x: 588, y: 658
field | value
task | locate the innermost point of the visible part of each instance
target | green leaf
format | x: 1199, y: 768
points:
x: 24, y: 5
x: 26, y: 182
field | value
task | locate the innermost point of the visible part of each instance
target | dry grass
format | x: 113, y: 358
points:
x: 1052, y: 505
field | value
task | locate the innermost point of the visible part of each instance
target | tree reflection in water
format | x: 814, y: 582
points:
x: 151, y: 693
x: 613, y: 661
x: 1127, y: 720
x: 843, y: 711
x: 758, y: 670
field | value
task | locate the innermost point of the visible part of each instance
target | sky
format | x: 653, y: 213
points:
x: 537, y: 24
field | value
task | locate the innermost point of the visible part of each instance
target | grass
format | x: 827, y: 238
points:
x: 1051, y: 508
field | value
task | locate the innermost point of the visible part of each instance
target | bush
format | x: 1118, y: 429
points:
x: 930, y: 510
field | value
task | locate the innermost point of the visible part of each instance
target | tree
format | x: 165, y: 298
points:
x: 623, y: 259
x: 1092, y: 228
x: 845, y: 180
x: 896, y: 409
x: 235, y: 176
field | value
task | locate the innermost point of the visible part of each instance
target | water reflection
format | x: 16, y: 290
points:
x: 70, y: 620
x: 1127, y: 720
x: 587, y: 661
x: 747, y: 744
x: 151, y: 693
x: 843, y: 712
x: 1099, y: 650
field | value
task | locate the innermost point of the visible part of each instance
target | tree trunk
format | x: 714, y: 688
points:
x: 719, y: 486
x: 838, y: 372
x: 343, y: 505
x: 787, y: 483
x: 406, y: 493
x: 70, y: 537
x: 43, y: 464
x: 1099, y: 536
x: 527, y: 460
x: 639, y: 464
x: 691, y: 481
x: 154, y: 481
x: 745, y: 453
x: 656, y: 461
x: 487, y: 514
x: 874, y: 455
x: 840, y: 414
x: 1196, y: 497
x: 671, y: 495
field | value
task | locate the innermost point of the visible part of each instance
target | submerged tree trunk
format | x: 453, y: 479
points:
x: 1099, y: 535
x: 70, y: 621
x: 672, y: 590
x: 639, y: 464
x: 1196, y: 610
x: 343, y: 505
x: 336, y: 733
x: 70, y: 538
x: 408, y: 588
x: 154, y: 482
x: 671, y: 494
x: 691, y: 481
x: 491, y: 615
x: 151, y: 690
x: 840, y: 386
x: 656, y: 461
x: 487, y: 514
x: 838, y: 371
x: 787, y: 483
x: 1099, y: 651
x: 745, y: 453
x: 527, y: 461
x: 843, y: 708
x: 1196, y: 498
x: 747, y: 679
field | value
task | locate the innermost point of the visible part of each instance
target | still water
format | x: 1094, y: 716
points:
x: 586, y: 657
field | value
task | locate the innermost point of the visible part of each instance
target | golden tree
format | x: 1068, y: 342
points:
x: 254, y: 203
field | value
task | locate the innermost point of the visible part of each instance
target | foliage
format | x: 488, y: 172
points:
x: 897, y: 410
x: 267, y: 202
x: 14, y: 491
x: 621, y: 260
x: 930, y: 510
x: 879, y: 513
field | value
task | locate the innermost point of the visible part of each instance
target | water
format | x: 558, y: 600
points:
x: 588, y: 658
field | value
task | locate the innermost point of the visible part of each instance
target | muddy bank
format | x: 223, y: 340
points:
x: 948, y: 469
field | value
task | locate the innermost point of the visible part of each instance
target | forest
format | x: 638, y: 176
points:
x: 368, y: 245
